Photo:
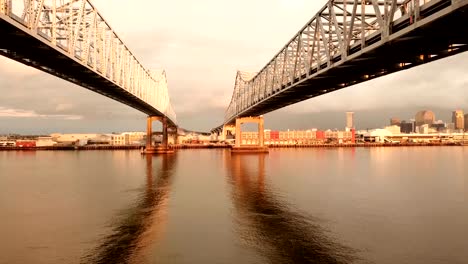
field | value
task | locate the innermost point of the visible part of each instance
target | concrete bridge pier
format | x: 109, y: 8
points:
x: 174, y: 134
x: 224, y: 133
x: 227, y: 129
x: 260, y: 148
x: 162, y: 148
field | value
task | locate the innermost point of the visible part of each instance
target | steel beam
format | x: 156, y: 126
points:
x: 343, y: 45
x: 36, y: 32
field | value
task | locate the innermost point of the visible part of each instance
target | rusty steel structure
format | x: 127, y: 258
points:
x: 71, y: 40
x: 348, y: 42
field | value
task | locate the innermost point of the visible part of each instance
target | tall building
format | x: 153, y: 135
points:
x: 349, y: 120
x: 407, y: 127
x: 439, y: 126
x: 458, y: 119
x: 466, y: 122
x: 424, y: 117
x: 395, y: 121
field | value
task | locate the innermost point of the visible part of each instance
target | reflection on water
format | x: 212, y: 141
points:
x: 138, y: 227
x: 380, y: 205
x: 270, y: 226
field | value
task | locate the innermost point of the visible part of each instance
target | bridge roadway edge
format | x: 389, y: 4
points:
x: 29, y: 48
x: 442, y: 26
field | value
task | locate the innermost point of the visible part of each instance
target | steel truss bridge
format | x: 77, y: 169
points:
x: 348, y: 42
x: 71, y: 40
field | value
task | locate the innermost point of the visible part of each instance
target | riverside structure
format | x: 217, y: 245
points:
x: 344, y: 45
x: 71, y: 40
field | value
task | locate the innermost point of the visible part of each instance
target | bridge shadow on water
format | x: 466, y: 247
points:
x: 270, y: 226
x: 142, y: 224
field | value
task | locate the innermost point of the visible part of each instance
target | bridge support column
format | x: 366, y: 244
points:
x: 173, y: 133
x: 149, y: 132
x: 226, y: 130
x: 261, y: 133
x: 238, y: 132
x: 260, y: 148
x: 162, y: 148
x: 164, y: 133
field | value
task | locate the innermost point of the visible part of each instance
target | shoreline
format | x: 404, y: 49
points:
x: 368, y: 145
x: 215, y: 146
x: 69, y: 148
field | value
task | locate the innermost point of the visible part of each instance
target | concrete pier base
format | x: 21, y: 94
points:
x: 249, y: 149
x: 239, y: 147
x: 163, y: 148
x: 158, y: 150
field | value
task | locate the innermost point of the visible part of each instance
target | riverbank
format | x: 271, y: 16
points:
x: 367, y: 145
x: 214, y: 146
x: 109, y: 147
x: 92, y: 147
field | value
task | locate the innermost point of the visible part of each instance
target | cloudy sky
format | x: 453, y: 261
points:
x: 201, y: 44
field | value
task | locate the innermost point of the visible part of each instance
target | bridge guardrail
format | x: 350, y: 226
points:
x: 339, y: 29
x: 78, y: 30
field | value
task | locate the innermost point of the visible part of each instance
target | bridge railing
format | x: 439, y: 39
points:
x: 77, y: 29
x: 340, y: 29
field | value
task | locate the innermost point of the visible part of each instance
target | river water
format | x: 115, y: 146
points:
x: 364, y: 205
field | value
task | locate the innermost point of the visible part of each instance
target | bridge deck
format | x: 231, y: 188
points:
x: 80, y: 47
x: 439, y: 33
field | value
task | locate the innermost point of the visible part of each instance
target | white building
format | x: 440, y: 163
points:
x: 45, y: 142
x: 81, y: 139
x: 393, y: 129
x: 424, y: 129
x: 71, y: 138
x: 136, y: 138
x: 128, y: 138
x: 120, y: 139
x: 377, y: 135
x: 349, y: 120
x: 6, y: 143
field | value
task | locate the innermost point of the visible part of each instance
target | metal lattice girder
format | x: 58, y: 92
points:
x: 340, y: 30
x: 75, y: 28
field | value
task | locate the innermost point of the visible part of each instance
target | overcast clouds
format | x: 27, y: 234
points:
x: 202, y: 44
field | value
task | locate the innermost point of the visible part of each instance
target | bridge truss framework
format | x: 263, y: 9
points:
x: 347, y: 42
x: 70, y: 39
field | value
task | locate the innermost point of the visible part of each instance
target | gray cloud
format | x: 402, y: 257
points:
x: 21, y: 113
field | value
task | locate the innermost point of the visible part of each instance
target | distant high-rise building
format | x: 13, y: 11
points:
x: 413, y: 121
x: 406, y: 127
x: 438, y: 126
x: 466, y: 122
x: 395, y: 121
x: 424, y: 117
x: 458, y: 119
x: 423, y: 129
x: 350, y: 120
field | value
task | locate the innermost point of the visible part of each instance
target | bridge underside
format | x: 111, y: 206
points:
x: 439, y: 36
x: 32, y: 51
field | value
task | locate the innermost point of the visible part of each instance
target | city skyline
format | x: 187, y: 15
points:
x: 201, y: 91
x: 304, y: 121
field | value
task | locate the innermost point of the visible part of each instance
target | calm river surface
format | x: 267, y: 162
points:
x: 374, y: 205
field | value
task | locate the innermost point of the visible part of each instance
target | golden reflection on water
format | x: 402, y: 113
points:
x: 142, y: 225
x: 395, y: 205
x: 270, y: 226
